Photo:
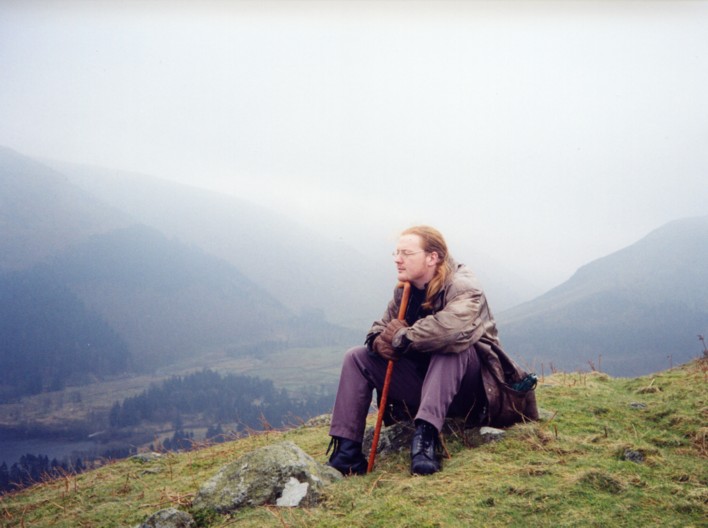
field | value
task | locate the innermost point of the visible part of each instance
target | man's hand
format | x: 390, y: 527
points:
x: 391, y: 328
x: 382, y: 344
x: 384, y: 349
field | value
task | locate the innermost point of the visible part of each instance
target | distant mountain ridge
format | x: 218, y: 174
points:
x: 86, y: 291
x: 167, y: 299
x: 129, y: 299
x: 41, y: 213
x: 632, y: 312
x: 218, y: 271
x: 300, y: 268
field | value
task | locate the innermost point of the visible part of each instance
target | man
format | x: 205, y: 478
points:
x: 437, y: 372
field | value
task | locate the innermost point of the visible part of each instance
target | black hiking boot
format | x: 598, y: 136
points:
x: 424, y: 459
x: 347, y: 457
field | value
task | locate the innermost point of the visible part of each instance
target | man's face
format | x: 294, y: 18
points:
x: 412, y: 263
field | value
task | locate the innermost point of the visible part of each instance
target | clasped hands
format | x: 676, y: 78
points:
x: 383, y: 343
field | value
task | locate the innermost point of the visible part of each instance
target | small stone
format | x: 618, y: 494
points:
x: 146, y: 457
x: 393, y: 439
x: 545, y: 415
x: 318, y: 421
x: 638, y: 405
x: 491, y: 434
x: 169, y: 518
x: 479, y: 436
x: 633, y: 455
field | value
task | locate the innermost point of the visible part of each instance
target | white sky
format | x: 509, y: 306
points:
x: 544, y: 134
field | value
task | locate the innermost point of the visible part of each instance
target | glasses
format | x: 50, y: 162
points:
x: 405, y: 253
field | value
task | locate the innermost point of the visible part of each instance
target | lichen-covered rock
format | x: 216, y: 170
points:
x: 318, y: 421
x: 145, y: 458
x: 261, y: 476
x: 392, y: 439
x: 169, y: 518
x: 397, y: 437
x: 478, y: 436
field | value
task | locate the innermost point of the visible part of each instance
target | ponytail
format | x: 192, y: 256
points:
x: 433, y: 241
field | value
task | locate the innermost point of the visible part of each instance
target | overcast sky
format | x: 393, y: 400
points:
x: 544, y: 134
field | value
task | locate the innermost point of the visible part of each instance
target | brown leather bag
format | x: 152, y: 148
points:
x: 505, y: 405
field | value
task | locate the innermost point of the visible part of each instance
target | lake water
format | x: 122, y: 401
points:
x: 12, y: 450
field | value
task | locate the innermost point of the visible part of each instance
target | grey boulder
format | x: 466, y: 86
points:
x: 281, y: 474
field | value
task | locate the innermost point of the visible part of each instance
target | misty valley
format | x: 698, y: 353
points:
x: 138, y: 314
x: 82, y: 426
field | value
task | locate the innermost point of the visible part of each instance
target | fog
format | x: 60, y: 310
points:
x: 542, y: 135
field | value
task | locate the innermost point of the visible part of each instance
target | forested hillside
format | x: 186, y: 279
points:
x: 244, y: 402
x: 49, y: 338
x: 132, y: 299
x: 166, y: 298
x: 197, y: 408
x: 87, y: 292
x: 125, y: 294
x: 92, y: 298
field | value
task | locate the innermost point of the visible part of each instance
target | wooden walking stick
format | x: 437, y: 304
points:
x: 387, y: 380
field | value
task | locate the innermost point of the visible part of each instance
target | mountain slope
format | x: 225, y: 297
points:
x: 168, y: 299
x: 49, y: 338
x: 614, y: 452
x: 42, y: 213
x: 163, y: 298
x: 301, y: 269
x: 640, y: 308
x: 128, y: 299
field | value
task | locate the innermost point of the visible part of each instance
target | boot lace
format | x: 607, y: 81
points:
x: 333, y: 445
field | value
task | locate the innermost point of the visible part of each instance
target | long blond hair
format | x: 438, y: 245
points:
x: 433, y: 241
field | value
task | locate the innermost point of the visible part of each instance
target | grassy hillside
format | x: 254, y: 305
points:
x: 610, y: 452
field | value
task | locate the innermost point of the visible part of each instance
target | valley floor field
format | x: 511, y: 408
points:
x: 70, y: 416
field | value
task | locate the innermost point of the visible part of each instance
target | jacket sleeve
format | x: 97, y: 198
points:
x: 448, y: 330
x: 463, y: 319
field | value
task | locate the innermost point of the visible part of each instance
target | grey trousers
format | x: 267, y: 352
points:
x: 431, y: 387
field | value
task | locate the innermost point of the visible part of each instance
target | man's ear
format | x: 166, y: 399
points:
x: 436, y: 257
